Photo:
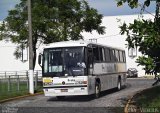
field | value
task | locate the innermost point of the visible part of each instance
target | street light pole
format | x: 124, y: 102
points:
x: 31, y: 83
x: 157, y: 15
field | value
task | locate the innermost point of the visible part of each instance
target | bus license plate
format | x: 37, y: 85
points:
x: 64, y: 90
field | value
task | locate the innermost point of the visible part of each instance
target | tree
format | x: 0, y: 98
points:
x: 144, y: 34
x: 52, y: 21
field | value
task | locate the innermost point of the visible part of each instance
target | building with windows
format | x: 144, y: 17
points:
x: 111, y: 38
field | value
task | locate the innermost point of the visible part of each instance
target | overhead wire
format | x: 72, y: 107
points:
x: 104, y: 36
x: 143, y: 9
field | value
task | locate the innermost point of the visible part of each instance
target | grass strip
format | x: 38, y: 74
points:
x: 14, y: 90
x: 148, y: 98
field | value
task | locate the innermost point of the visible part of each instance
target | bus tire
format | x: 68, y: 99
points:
x: 60, y: 97
x: 97, y: 90
x: 119, y: 85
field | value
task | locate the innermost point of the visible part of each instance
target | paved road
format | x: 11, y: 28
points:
x: 109, y: 99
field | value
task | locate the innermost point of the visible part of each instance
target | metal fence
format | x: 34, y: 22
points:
x: 17, y: 83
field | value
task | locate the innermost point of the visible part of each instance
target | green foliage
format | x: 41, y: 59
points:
x: 147, y: 62
x: 132, y: 3
x: 145, y: 35
x: 52, y: 21
x: 148, y: 98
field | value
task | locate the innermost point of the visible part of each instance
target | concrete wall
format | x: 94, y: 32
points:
x: 8, y: 62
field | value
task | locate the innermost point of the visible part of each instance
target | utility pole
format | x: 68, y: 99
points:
x: 157, y: 15
x: 31, y: 73
x: 157, y: 9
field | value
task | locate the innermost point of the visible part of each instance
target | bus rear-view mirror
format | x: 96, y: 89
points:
x: 39, y: 59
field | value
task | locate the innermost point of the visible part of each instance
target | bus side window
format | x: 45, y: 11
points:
x: 108, y: 56
x: 95, y: 54
x: 124, y: 56
x: 102, y: 54
x: 121, y: 56
x: 90, y: 58
x: 113, y: 56
x: 117, y: 55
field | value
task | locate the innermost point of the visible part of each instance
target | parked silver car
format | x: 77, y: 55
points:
x: 132, y: 72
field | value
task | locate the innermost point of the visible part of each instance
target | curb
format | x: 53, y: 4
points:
x: 129, y: 101
x: 127, y: 105
x: 20, y: 97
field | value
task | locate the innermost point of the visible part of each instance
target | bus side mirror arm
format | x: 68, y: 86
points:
x: 40, y: 59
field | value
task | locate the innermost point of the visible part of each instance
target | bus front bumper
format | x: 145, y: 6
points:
x: 65, y: 91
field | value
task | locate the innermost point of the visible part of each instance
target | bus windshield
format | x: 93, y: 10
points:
x: 63, y: 61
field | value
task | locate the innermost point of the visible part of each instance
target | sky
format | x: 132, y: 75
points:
x: 105, y: 7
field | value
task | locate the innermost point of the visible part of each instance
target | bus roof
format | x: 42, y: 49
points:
x: 72, y: 43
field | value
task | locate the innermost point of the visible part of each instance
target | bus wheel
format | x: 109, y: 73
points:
x: 60, y: 97
x: 97, y: 90
x: 119, y: 85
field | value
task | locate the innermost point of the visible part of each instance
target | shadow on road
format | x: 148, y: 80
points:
x: 73, y: 98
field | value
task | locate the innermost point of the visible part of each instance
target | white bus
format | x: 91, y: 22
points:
x: 81, y: 68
